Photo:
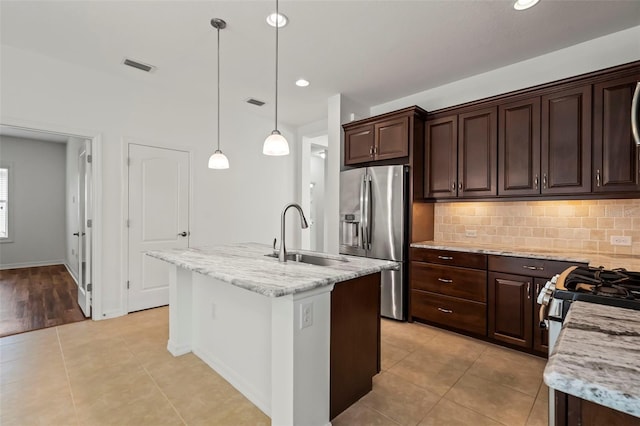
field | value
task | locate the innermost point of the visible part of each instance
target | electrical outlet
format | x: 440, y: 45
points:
x: 471, y: 233
x: 306, y: 315
x: 619, y: 240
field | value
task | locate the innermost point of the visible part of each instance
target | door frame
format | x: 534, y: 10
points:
x: 124, y: 215
x: 308, y: 141
x: 95, y: 138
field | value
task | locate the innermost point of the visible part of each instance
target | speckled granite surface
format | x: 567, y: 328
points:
x: 597, y: 356
x: 609, y: 261
x: 245, y: 265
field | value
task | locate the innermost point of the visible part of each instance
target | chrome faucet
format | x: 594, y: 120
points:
x: 282, y: 255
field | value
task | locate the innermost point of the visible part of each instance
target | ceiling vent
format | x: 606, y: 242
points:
x: 255, y: 102
x: 138, y: 65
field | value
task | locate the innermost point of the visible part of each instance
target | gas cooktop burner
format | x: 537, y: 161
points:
x: 612, y: 291
x: 616, y: 283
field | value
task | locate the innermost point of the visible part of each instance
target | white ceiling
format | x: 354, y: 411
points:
x: 371, y: 51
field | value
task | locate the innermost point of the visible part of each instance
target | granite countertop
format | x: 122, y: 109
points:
x: 596, y: 356
x: 245, y: 265
x: 595, y: 259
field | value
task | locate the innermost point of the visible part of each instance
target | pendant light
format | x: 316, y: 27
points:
x: 218, y: 160
x: 275, y: 143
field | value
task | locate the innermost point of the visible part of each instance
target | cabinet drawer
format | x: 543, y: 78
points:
x: 449, y: 311
x: 449, y: 280
x: 448, y: 257
x: 530, y: 267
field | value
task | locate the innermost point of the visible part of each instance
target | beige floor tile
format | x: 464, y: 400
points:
x: 539, y: 415
x: 454, y: 349
x: 419, y: 369
x: 115, y: 381
x: 390, y: 355
x: 451, y: 414
x: 495, y: 401
x: 28, y: 348
x: 40, y: 366
x: 51, y: 405
x: 235, y: 411
x: 519, y: 371
x: 361, y: 415
x: 407, y: 337
x: 45, y: 334
x: 399, y: 400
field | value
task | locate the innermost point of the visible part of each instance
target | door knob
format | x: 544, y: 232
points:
x: 77, y: 234
x: 183, y: 234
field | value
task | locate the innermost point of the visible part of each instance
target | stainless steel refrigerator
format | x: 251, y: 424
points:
x: 373, y: 222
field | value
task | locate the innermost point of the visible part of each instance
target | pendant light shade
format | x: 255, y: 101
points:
x: 218, y: 160
x: 275, y: 143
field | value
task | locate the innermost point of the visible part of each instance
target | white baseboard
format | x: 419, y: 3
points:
x: 32, y: 264
x: 110, y: 314
x: 72, y: 273
x: 177, y: 350
x: 234, y: 379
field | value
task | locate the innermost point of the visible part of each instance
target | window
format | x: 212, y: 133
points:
x: 4, y: 202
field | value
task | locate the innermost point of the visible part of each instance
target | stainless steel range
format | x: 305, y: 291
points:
x: 617, y: 287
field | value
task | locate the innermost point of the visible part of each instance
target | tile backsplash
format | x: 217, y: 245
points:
x: 577, y: 225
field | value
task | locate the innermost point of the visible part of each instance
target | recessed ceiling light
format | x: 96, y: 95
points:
x: 282, y: 20
x: 524, y: 4
x: 301, y: 82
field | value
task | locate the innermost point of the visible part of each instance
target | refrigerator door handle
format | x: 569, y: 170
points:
x: 368, y: 198
x: 363, y: 226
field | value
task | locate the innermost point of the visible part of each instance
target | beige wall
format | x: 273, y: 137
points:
x: 576, y: 225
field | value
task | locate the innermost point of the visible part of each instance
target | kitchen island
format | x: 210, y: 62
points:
x: 596, y: 360
x: 270, y: 328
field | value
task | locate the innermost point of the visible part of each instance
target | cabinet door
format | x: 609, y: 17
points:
x: 510, y: 309
x: 566, y: 141
x: 519, y: 148
x: 392, y: 139
x: 615, y: 156
x: 540, y: 336
x: 478, y: 153
x: 441, y: 152
x: 358, y: 144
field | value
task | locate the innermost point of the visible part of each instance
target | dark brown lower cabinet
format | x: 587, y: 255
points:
x: 540, y: 335
x: 511, y: 309
x: 574, y: 411
x: 355, y: 340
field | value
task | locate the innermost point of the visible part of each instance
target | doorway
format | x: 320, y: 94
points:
x: 158, y: 219
x: 313, y: 167
x: 48, y: 226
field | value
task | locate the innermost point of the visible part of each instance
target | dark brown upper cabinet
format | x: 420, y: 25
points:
x: 358, y: 144
x: 441, y: 162
x: 615, y: 155
x: 384, y: 140
x: 519, y: 147
x: 477, y: 153
x: 460, y: 155
x: 566, y: 141
x: 545, y: 144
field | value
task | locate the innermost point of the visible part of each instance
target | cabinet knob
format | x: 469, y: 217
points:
x: 528, y: 290
x: 598, y: 178
x: 445, y: 257
x: 446, y: 311
x: 544, y: 181
x: 453, y: 187
x: 460, y: 185
x: 445, y: 280
x: 535, y: 182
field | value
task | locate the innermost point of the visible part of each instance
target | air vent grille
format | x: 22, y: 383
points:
x: 138, y: 65
x: 255, y: 102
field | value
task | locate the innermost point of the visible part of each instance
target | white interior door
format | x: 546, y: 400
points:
x: 84, y: 229
x: 158, y: 219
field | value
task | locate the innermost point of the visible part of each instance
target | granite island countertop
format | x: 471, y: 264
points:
x: 245, y: 265
x: 596, y: 356
x: 596, y: 259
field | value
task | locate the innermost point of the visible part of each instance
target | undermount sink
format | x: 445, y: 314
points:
x: 310, y: 259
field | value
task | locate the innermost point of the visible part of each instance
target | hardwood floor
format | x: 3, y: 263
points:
x: 34, y: 298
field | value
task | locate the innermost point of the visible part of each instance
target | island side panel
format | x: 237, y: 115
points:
x: 232, y: 334
x: 180, y: 306
x: 300, y: 354
x: 355, y: 340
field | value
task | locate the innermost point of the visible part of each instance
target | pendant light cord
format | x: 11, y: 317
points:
x: 218, y: 89
x: 277, y: 27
